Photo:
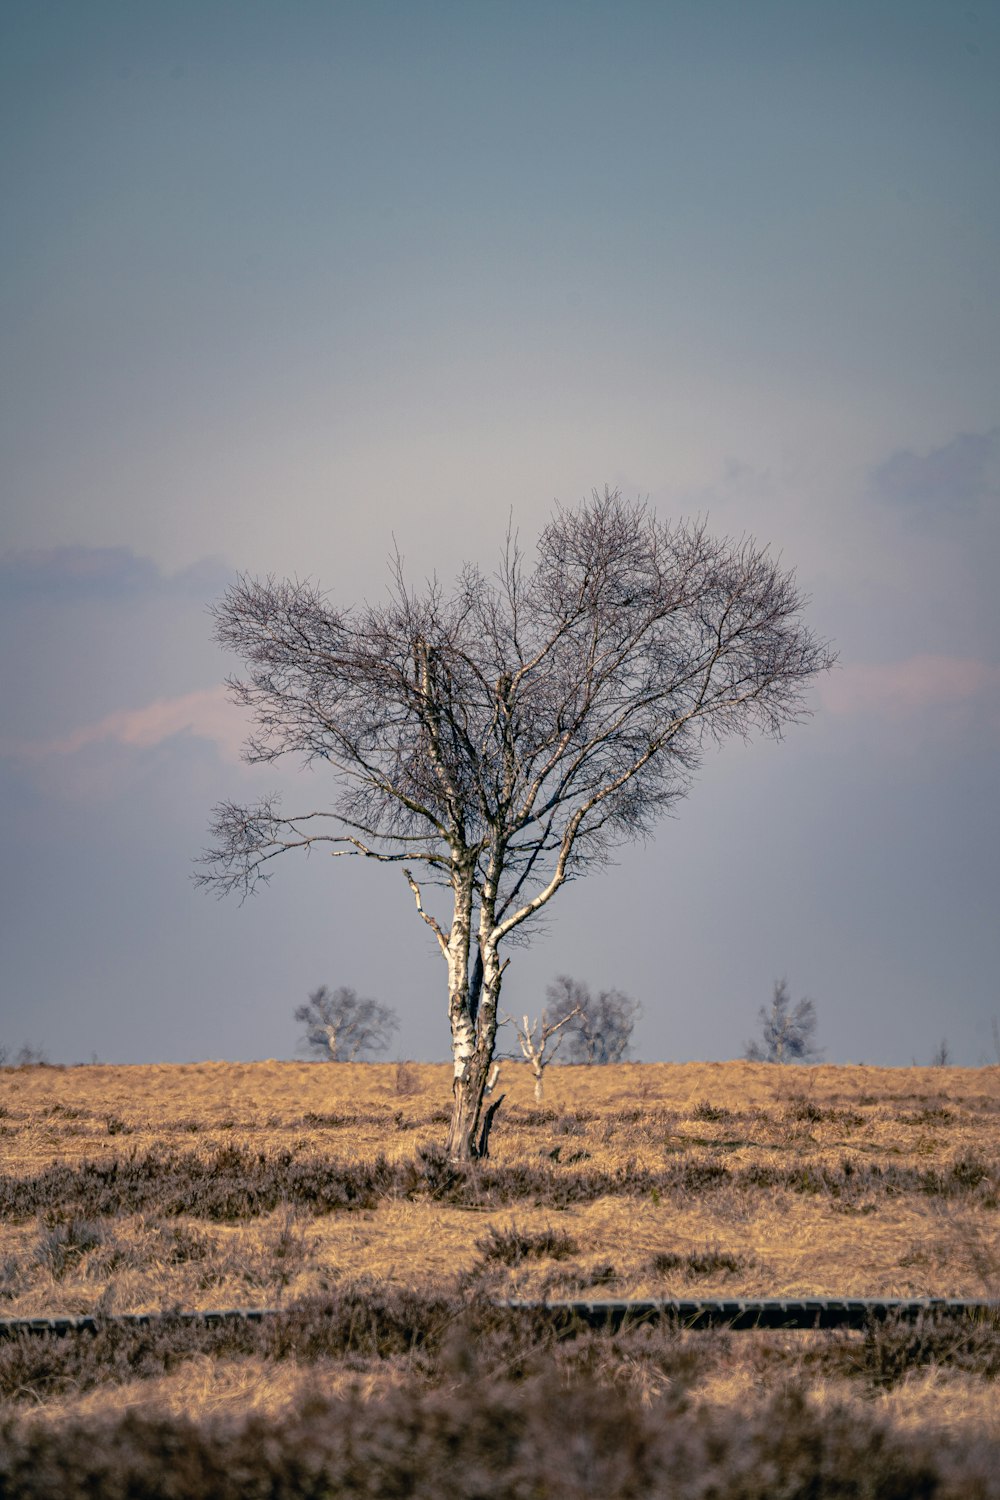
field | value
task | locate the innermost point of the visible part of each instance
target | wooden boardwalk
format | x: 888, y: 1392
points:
x: 568, y: 1316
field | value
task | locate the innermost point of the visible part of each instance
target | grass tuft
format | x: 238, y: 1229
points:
x: 511, y: 1246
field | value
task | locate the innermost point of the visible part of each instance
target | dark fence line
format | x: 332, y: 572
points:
x: 747, y: 1313
x: 742, y: 1313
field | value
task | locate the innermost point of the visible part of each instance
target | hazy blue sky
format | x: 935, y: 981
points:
x: 279, y: 281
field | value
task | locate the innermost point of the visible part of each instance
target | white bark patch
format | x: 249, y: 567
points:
x: 463, y: 1044
x: 463, y: 1033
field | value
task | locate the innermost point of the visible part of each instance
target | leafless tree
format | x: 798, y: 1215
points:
x: 787, y: 1032
x: 25, y: 1057
x: 340, y: 1025
x: 942, y: 1054
x: 534, y: 1037
x: 602, y: 1024
x: 502, y: 738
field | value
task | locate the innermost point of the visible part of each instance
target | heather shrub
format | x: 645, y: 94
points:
x: 511, y: 1246
x: 536, y: 1436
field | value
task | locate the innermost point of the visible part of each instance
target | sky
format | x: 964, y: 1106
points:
x: 285, y: 284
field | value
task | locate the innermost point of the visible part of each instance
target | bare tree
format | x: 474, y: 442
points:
x: 534, y: 1037
x: 340, y: 1025
x: 603, y: 1023
x: 25, y: 1057
x: 501, y: 739
x: 787, y: 1032
x: 942, y: 1054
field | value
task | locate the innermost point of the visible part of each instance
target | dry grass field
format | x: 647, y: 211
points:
x: 320, y: 1190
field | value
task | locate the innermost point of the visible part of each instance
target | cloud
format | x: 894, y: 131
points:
x: 69, y: 574
x: 931, y: 685
x: 957, y: 477
x: 206, y: 715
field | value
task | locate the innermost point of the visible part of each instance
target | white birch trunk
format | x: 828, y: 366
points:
x: 463, y: 1028
x: 473, y: 1043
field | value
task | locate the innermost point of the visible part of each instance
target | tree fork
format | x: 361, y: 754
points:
x: 466, y: 1140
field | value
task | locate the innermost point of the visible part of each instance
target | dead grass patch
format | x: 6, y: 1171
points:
x: 322, y: 1189
x: 815, y: 1181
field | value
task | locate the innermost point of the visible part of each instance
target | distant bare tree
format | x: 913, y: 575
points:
x: 340, y: 1025
x: 787, y: 1032
x: 534, y: 1037
x: 942, y: 1054
x: 31, y: 1057
x: 504, y: 738
x: 25, y: 1057
x: 602, y: 1026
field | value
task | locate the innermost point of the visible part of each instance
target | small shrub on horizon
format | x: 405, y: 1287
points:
x: 788, y: 1033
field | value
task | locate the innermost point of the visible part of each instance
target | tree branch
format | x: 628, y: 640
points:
x: 428, y: 918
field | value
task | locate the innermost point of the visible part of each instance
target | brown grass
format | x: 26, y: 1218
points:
x: 130, y: 1189
x: 662, y: 1423
x: 732, y: 1178
x: 738, y: 1110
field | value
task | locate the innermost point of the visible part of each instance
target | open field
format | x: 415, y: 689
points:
x: 320, y: 1189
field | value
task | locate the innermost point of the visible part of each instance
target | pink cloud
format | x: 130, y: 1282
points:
x: 884, y: 690
x: 920, y: 684
x: 207, y: 714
